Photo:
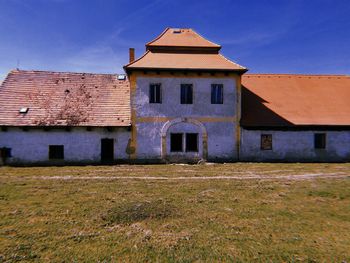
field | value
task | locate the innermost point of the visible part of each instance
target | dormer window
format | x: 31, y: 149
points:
x: 23, y: 110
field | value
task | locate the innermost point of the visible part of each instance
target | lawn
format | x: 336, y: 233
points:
x: 178, y: 213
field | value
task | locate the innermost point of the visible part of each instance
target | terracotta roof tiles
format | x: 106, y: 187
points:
x: 290, y: 100
x: 64, y: 99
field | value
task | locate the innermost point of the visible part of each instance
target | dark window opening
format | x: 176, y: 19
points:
x: 56, y: 152
x: 155, y: 93
x: 266, y: 142
x: 186, y: 93
x: 217, y: 94
x: 176, y: 142
x: 5, y: 152
x: 191, y: 142
x: 320, y: 140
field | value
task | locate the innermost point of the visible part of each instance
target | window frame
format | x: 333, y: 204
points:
x: 153, y: 99
x: 182, y: 142
x: 186, y: 100
x: 214, y: 99
x: 53, y: 155
x: 320, y: 140
x: 262, y: 143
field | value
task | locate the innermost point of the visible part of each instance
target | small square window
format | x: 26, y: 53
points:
x: 176, y: 142
x: 155, y: 93
x: 266, y: 142
x: 186, y: 94
x: 191, y: 142
x: 217, y: 94
x: 56, y: 152
x: 320, y: 140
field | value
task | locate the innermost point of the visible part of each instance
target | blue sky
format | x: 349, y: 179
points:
x: 275, y: 36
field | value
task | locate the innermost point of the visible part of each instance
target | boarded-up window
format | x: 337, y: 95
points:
x: 186, y: 94
x: 191, y: 142
x: 217, y: 94
x: 176, y: 142
x: 320, y: 140
x: 56, y: 152
x: 266, y: 141
x: 155, y: 93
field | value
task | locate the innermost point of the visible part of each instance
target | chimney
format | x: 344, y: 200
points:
x: 131, y: 54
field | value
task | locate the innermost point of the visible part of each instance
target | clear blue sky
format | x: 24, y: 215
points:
x: 267, y: 36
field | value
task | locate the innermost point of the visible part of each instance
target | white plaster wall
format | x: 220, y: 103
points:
x: 221, y: 140
x: 221, y: 135
x: 295, y: 146
x: 80, y: 145
x: 171, y: 106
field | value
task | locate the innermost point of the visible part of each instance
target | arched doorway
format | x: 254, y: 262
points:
x: 184, y: 140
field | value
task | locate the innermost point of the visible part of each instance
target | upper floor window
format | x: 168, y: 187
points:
x: 320, y: 140
x: 155, y: 93
x: 217, y: 94
x: 186, y: 93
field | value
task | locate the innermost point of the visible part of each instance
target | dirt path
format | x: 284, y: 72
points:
x: 196, y: 178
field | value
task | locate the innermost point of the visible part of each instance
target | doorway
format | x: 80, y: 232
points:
x: 107, y: 150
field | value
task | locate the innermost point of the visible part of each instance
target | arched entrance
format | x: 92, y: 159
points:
x: 184, y: 139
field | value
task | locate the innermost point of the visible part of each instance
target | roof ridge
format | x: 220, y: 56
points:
x: 236, y: 64
x: 65, y: 72
x: 205, y: 38
x: 129, y: 64
x: 158, y: 37
x: 297, y: 74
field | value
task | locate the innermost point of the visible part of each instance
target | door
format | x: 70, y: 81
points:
x: 107, y: 150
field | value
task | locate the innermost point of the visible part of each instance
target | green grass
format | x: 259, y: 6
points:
x: 175, y: 220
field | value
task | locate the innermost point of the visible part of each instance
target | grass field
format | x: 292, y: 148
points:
x: 176, y: 213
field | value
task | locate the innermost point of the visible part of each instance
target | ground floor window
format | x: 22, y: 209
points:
x: 320, y: 140
x: 56, y: 152
x: 176, y: 142
x: 191, y: 142
x: 266, y: 142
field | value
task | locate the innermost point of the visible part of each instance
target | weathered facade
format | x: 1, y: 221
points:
x: 182, y: 101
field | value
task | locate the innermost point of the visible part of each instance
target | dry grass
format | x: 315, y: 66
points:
x: 182, y: 221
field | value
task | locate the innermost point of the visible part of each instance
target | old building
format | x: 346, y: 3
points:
x: 182, y: 101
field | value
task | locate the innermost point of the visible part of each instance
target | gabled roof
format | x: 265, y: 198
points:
x: 275, y: 100
x: 64, y: 99
x: 181, y: 37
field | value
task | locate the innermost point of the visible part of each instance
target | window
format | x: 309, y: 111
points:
x: 217, y: 94
x: 56, y: 152
x: 5, y: 152
x: 266, y: 142
x: 155, y: 93
x: 176, y: 142
x: 320, y: 140
x: 186, y: 94
x: 191, y: 142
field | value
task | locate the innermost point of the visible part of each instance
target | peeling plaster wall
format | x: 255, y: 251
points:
x: 221, y: 133
x: 80, y: 145
x: 290, y: 146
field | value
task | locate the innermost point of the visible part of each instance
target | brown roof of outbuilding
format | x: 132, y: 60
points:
x: 151, y: 60
x: 181, y: 37
x: 64, y: 99
x: 292, y: 100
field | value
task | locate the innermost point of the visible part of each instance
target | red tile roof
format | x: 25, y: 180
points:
x: 182, y: 37
x: 64, y: 99
x: 183, y: 49
x: 289, y: 100
x: 185, y: 61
